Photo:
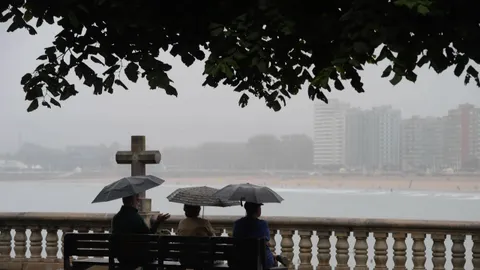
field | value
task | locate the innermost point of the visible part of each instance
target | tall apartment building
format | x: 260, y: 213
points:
x: 329, y: 133
x: 355, y: 138
x: 433, y: 143
x: 421, y: 143
x: 462, y: 136
x: 382, y: 143
x: 412, y: 143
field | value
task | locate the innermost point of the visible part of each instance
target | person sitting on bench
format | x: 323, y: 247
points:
x: 251, y: 226
x: 193, y: 225
x: 129, y: 221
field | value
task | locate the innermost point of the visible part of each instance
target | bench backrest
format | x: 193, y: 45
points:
x: 127, y: 247
x: 133, y: 249
x: 248, y: 253
x: 202, y: 252
x: 194, y: 252
x: 84, y: 245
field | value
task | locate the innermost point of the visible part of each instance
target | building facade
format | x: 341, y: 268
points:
x: 412, y: 143
x: 422, y: 144
x: 355, y: 138
x: 329, y: 133
x: 378, y: 139
x: 462, y: 137
x: 382, y: 143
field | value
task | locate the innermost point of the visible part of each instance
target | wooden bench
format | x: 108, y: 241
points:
x: 164, y: 252
x: 101, y: 246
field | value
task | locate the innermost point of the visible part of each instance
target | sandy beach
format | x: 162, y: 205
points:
x: 450, y: 183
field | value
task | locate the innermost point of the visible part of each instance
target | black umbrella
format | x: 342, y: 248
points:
x: 199, y: 196
x: 127, y: 186
x: 248, y: 193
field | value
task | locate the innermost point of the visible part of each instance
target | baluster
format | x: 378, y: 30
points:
x: 20, y: 243
x: 272, y: 243
x: 287, y: 246
x: 5, y: 244
x: 418, y: 250
x: 438, y: 251
x: 323, y: 250
x: 36, y: 244
x: 399, y: 251
x: 305, y: 246
x: 52, y: 244
x: 476, y: 251
x: 342, y: 250
x: 64, y: 231
x: 361, y: 250
x: 458, y: 251
x: 380, y: 250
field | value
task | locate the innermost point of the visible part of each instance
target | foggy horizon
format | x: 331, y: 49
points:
x: 199, y: 114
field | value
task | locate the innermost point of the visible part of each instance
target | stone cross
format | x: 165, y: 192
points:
x: 138, y: 157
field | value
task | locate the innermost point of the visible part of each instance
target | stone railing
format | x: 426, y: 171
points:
x: 310, y: 243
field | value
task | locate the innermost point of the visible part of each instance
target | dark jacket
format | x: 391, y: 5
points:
x: 129, y: 221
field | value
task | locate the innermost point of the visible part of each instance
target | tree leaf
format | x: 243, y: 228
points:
x: 55, y: 102
x: 320, y: 95
x: 111, y: 70
x: 387, y: 71
x: 216, y: 29
x: 360, y: 47
x: 27, y: 16
x: 96, y: 60
x: 39, y: 22
x: 396, y: 79
x: 171, y: 91
x: 6, y: 17
x: 118, y: 82
x: 44, y: 103
x: 243, y: 101
x: 27, y: 77
x: 411, y: 76
x: 460, y: 67
x: 16, y: 24
x: 73, y: 19
x: 187, y: 59
x: 262, y: 66
x: 339, y: 85
x: 472, y: 71
x: 131, y: 71
x: 423, y: 10
x: 33, y: 105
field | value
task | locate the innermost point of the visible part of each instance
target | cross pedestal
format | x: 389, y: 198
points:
x: 138, y: 157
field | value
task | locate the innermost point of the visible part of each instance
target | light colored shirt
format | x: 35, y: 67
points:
x: 195, y: 227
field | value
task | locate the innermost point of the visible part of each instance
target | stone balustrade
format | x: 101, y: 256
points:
x: 310, y: 243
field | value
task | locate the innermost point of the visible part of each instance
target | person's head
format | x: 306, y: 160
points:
x: 132, y: 201
x: 191, y: 211
x: 253, y: 209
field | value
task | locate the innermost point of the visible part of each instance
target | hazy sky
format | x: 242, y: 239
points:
x: 199, y: 114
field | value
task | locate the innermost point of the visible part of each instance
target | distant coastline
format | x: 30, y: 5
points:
x: 449, y: 183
